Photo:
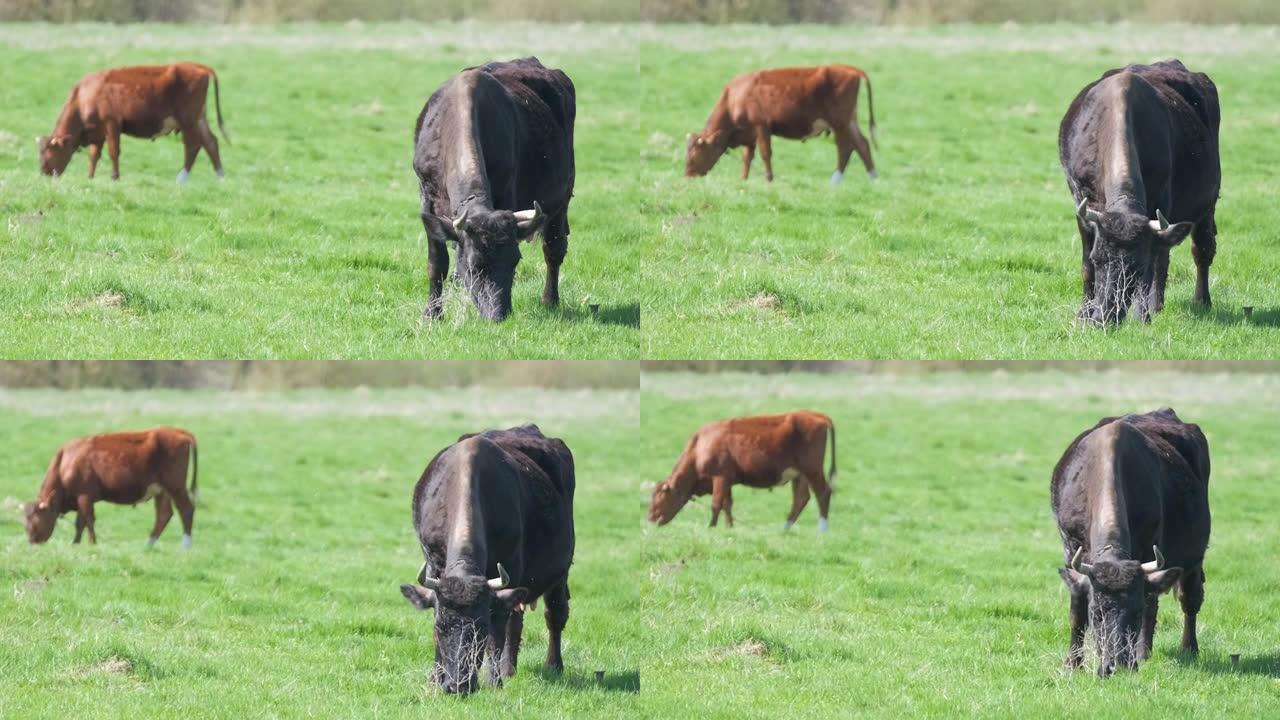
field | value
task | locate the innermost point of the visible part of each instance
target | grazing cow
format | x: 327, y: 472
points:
x: 146, y: 101
x: 794, y: 103
x: 1139, y: 145
x: 493, y: 151
x: 125, y: 468
x: 1131, y: 496
x: 494, y: 515
x: 763, y: 452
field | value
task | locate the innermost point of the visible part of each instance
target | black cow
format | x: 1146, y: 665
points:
x: 494, y: 515
x: 1139, y: 145
x: 1131, y: 496
x: 493, y: 151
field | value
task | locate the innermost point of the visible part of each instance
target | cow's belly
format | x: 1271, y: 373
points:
x: 801, y: 129
x: 134, y: 495
x: 151, y: 127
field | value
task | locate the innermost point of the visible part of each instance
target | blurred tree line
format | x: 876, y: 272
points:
x: 280, y: 375
x: 701, y: 11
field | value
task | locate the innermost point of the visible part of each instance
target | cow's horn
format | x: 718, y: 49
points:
x: 502, y: 580
x: 1164, y: 222
x: 1078, y: 566
x: 1084, y: 212
x: 524, y: 216
x: 1154, y: 565
x: 460, y: 220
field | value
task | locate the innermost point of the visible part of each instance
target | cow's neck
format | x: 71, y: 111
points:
x: 1109, y: 521
x: 466, y: 553
x: 1122, y: 184
x: 69, y: 122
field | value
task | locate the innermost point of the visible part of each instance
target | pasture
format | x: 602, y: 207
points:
x: 312, y: 246
x: 288, y: 603
x: 935, y: 593
x: 966, y: 247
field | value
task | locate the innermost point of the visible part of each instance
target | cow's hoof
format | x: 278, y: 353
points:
x: 836, y: 177
x: 873, y: 175
x: 219, y: 173
x: 186, y: 542
x: 822, y: 524
x: 182, y: 176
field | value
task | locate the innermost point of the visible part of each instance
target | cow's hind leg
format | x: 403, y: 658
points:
x: 1204, y: 245
x: 799, y: 498
x: 864, y: 150
x: 823, y: 492
x: 210, y: 144
x: 555, y: 244
x: 1191, y: 595
x: 95, y: 152
x: 844, y: 149
x: 765, y: 144
x: 1147, y: 638
x: 557, y: 616
x: 164, y: 511
x: 511, y: 649
x: 190, y: 148
x: 187, y: 511
x: 748, y: 154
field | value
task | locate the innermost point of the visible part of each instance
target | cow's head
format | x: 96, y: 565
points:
x: 488, y: 251
x: 471, y: 614
x: 666, y: 502
x: 701, y: 153
x: 1118, y: 591
x: 1124, y: 247
x: 39, y: 519
x: 55, y: 153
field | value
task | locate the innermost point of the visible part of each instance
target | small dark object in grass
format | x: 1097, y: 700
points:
x: 1248, y: 312
x: 1235, y: 661
x: 595, y: 309
x: 600, y: 673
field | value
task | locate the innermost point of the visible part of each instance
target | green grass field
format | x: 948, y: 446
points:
x: 288, y: 604
x: 966, y: 247
x: 935, y: 593
x: 312, y: 247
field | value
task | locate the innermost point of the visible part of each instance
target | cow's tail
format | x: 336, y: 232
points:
x: 195, y: 471
x: 831, y: 469
x: 871, y: 109
x: 217, y: 107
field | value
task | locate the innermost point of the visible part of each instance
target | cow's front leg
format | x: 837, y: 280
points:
x: 1191, y: 596
x: 437, y: 270
x: 721, y: 499
x: 79, y: 528
x: 190, y: 148
x: 765, y: 143
x: 1079, y: 617
x: 1146, y: 638
x: 84, y: 506
x: 511, y: 653
x: 1204, y: 245
x: 1155, y: 299
x: 555, y: 244
x: 557, y: 616
x: 113, y: 152
x: 748, y: 154
x: 95, y: 152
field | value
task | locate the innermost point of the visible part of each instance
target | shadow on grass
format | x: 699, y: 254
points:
x: 1262, y: 317
x: 625, y: 315
x: 1267, y: 665
x: 622, y: 681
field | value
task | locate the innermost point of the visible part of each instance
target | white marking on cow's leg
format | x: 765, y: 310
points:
x: 822, y: 524
x: 186, y: 542
x: 182, y: 176
x: 786, y: 525
x: 151, y: 541
x: 873, y: 174
x: 836, y: 177
x: 219, y: 172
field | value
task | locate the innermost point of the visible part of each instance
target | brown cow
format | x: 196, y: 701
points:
x: 794, y: 103
x: 124, y: 468
x: 764, y: 452
x: 146, y: 101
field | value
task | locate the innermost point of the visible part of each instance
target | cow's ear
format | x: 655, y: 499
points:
x: 1174, y: 234
x: 529, y: 222
x: 438, y: 228
x: 1161, y: 580
x: 419, y: 597
x: 511, y: 596
x: 1076, y: 582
